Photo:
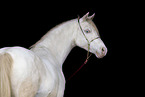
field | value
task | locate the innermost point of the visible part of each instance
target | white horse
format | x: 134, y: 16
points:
x: 38, y: 72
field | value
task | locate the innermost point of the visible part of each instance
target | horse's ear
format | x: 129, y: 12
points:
x: 84, y: 18
x: 91, y: 17
x: 87, y: 17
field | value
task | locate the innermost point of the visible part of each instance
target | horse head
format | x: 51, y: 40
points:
x: 88, y: 37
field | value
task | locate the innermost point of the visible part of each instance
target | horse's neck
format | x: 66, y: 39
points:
x: 59, y: 41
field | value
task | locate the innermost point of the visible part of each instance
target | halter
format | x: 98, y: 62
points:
x: 89, y: 42
x: 88, y: 54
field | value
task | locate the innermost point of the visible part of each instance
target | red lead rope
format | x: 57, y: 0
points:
x: 88, y: 55
x: 77, y: 70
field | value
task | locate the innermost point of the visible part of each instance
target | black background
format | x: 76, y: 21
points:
x: 111, y: 75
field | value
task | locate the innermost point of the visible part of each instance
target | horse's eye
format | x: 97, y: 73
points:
x: 87, y: 31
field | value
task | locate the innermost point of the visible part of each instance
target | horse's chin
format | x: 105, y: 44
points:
x: 99, y: 56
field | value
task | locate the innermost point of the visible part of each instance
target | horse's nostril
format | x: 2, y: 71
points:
x: 103, y: 49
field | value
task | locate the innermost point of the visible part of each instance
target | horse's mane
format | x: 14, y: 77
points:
x: 52, y: 29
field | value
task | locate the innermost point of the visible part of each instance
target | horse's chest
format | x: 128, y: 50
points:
x: 52, y: 82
